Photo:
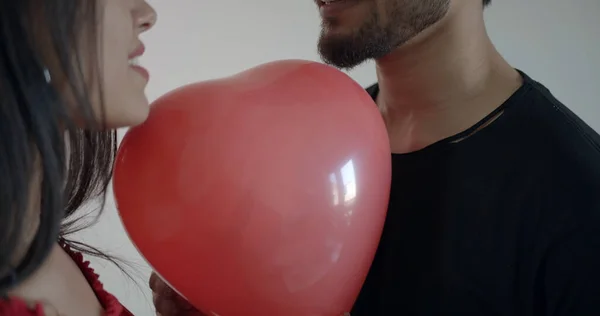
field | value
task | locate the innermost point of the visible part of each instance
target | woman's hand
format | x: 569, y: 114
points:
x: 167, y: 302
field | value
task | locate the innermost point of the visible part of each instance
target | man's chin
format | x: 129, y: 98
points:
x: 341, y: 52
x: 340, y: 61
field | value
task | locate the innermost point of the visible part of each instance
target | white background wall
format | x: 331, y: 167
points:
x: 554, y: 41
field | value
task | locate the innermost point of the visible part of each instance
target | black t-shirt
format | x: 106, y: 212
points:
x: 503, y: 222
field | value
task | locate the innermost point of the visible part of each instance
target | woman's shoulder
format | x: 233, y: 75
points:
x: 112, y: 307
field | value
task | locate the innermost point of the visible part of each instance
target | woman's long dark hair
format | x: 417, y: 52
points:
x: 37, y: 130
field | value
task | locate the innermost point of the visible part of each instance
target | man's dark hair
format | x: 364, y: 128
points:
x: 486, y: 2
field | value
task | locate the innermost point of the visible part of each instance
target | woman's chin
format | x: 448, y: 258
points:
x: 127, y: 118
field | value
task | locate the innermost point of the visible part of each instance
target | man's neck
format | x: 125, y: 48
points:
x: 445, y: 81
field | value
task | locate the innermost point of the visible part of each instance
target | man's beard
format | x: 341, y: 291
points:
x: 350, y: 50
x: 374, y: 40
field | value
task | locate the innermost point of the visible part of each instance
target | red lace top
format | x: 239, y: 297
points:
x: 112, y: 307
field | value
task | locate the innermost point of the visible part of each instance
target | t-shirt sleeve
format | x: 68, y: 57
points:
x: 570, y: 276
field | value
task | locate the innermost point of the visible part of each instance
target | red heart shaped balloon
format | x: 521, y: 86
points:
x: 263, y: 193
